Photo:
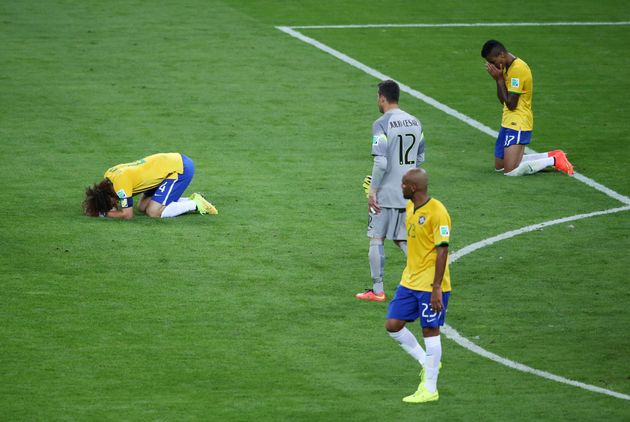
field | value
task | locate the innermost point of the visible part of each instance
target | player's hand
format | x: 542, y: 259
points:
x: 436, y: 299
x: 373, y: 207
x: 495, y: 72
x: 366, y: 185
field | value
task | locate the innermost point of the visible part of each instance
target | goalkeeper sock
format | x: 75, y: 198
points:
x: 183, y: 205
x: 376, y: 255
x: 410, y: 344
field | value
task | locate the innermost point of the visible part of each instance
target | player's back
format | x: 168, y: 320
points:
x: 397, y: 136
x: 144, y: 174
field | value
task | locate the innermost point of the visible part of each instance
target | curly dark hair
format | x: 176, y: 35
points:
x: 99, y: 198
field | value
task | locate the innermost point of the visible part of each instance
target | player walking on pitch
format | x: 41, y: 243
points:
x: 397, y: 146
x: 425, y: 285
x: 161, y: 178
x: 514, y: 89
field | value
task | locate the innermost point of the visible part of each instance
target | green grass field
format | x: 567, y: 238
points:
x: 251, y: 315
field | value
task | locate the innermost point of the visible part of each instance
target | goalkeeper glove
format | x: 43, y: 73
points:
x: 366, y: 185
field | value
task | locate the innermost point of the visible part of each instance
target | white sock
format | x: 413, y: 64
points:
x: 432, y: 367
x: 410, y: 344
x: 530, y: 157
x: 180, y: 207
x: 531, y: 166
x: 403, y: 247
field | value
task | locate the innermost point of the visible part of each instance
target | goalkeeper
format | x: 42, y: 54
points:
x: 397, y: 147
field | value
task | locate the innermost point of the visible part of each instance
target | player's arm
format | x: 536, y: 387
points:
x: 126, y: 209
x: 125, y: 213
x: 378, y: 171
x: 510, y: 99
x: 379, y: 152
x: 440, y: 267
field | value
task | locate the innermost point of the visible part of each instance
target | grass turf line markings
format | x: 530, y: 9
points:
x: 436, y: 104
x: 458, y: 25
x: 452, y: 334
x: 449, y: 331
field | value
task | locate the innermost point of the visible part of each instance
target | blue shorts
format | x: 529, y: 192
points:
x: 409, y: 305
x: 508, y: 137
x: 170, y: 190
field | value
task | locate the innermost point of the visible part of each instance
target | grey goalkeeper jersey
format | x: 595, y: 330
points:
x: 398, y: 137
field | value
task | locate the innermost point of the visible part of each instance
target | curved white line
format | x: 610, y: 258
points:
x: 434, y: 103
x: 449, y: 331
x: 491, y: 240
x: 467, y: 344
x: 452, y: 334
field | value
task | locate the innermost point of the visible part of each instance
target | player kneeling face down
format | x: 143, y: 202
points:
x: 161, y: 178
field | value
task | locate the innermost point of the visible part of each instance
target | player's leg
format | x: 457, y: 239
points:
x: 154, y: 209
x: 532, y: 165
x: 377, y: 229
x: 510, y: 147
x: 376, y: 257
x: 167, y: 199
x: 403, y: 308
x: 512, y: 157
x: 498, y: 151
x: 144, y: 201
x: 527, y: 164
x: 430, y: 322
x: 433, y: 346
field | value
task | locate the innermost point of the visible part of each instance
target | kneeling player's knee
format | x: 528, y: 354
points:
x: 154, y: 212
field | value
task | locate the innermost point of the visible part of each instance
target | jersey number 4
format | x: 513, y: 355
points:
x: 404, y: 157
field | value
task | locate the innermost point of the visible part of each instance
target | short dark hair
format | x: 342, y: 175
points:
x: 390, y: 90
x: 492, y: 48
x: 99, y: 198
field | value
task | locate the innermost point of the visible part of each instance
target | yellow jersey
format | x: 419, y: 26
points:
x: 428, y: 226
x: 518, y: 80
x: 139, y: 176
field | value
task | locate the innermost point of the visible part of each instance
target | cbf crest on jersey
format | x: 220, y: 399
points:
x: 422, y: 219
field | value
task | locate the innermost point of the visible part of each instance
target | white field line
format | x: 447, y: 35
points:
x: 462, y: 341
x: 449, y: 331
x: 452, y: 334
x: 434, y: 103
x: 458, y: 25
x: 503, y: 236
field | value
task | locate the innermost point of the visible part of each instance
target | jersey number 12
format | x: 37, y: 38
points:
x: 404, y: 158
